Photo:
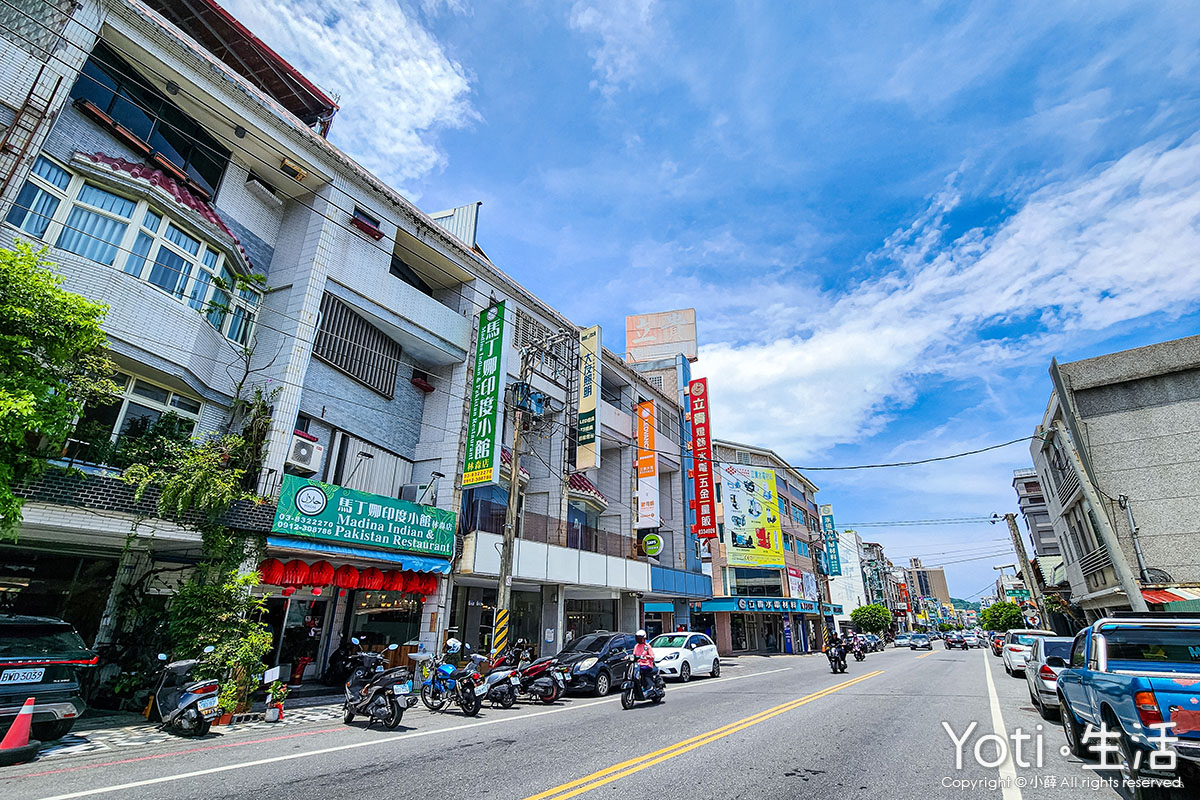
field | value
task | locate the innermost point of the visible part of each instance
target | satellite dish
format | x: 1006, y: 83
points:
x: 1158, y: 576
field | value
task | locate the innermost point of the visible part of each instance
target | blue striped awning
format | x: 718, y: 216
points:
x: 408, y: 561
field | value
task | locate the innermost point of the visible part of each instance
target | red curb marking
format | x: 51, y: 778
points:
x: 175, y: 753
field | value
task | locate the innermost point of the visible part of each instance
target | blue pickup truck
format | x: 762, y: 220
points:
x: 1130, y: 673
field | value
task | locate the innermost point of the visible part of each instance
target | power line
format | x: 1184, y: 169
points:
x: 901, y: 522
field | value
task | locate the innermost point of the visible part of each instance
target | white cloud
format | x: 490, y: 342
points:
x: 1078, y: 257
x: 627, y: 33
x: 394, y: 82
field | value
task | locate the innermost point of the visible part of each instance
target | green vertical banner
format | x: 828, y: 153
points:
x: 485, y: 419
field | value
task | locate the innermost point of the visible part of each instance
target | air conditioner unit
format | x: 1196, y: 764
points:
x: 416, y: 492
x: 305, y: 455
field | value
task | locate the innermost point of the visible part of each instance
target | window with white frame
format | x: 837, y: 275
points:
x: 134, y: 412
x: 81, y: 217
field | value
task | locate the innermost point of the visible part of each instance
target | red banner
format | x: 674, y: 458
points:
x: 703, y: 485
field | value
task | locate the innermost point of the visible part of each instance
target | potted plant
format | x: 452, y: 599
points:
x: 276, y: 694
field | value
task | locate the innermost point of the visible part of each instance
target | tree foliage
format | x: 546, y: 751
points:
x: 1002, y: 617
x: 873, y: 618
x: 52, y: 362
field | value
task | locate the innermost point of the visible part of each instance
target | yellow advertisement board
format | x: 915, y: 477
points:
x: 752, y: 526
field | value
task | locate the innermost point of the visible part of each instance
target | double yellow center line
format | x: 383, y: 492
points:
x: 626, y: 768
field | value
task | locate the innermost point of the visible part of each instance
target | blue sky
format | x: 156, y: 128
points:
x: 888, y: 216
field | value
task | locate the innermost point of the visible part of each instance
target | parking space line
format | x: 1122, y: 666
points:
x: 1008, y: 773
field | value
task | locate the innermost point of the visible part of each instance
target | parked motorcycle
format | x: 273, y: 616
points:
x: 448, y: 684
x: 837, y: 658
x: 341, y: 663
x: 180, y: 704
x: 501, y: 681
x: 543, y: 679
x: 376, y: 692
x: 633, y: 690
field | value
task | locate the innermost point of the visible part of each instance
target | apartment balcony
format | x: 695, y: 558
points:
x: 430, y: 331
x: 1095, y: 561
x: 550, y: 563
x: 615, y: 421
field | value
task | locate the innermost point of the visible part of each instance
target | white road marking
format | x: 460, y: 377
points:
x: 375, y: 742
x: 1008, y: 773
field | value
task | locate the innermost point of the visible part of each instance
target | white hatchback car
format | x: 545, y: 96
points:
x: 682, y: 655
x: 1015, y: 650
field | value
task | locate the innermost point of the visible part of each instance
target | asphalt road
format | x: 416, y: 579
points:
x: 781, y: 727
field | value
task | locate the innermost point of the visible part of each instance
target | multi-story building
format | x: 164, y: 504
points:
x: 848, y: 589
x: 926, y: 581
x: 1032, y: 502
x: 1114, y: 453
x: 879, y: 580
x: 776, y: 608
x: 167, y: 158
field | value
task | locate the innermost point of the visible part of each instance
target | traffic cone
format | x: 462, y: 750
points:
x: 16, y: 746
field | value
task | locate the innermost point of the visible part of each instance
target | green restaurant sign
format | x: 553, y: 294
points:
x: 316, y: 510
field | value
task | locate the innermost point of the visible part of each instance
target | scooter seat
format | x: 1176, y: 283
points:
x: 459, y: 674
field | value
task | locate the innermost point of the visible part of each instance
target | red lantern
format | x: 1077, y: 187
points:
x: 431, y: 584
x: 345, y: 577
x: 316, y: 591
x: 289, y: 591
x: 371, y: 578
x: 295, y: 573
x: 393, y: 580
x: 270, y: 570
x: 320, y: 573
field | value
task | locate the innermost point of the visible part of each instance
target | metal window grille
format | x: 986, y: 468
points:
x: 656, y: 381
x: 353, y: 345
x: 743, y: 457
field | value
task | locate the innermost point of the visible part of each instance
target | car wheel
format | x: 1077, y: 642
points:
x: 1131, y: 758
x: 685, y: 672
x: 603, y: 684
x: 49, y: 731
x: 1072, y: 731
x: 716, y: 669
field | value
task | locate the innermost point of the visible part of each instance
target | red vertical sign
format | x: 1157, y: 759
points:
x: 703, y: 486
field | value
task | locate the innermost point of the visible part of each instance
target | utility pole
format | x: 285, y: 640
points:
x: 1035, y: 591
x: 504, y: 589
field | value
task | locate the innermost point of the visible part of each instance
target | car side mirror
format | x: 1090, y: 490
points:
x: 1056, y: 661
x: 209, y: 649
x: 162, y: 656
x: 393, y: 647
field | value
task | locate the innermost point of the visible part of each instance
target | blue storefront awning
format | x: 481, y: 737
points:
x: 408, y: 561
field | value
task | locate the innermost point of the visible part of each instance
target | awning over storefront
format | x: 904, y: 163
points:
x: 1174, y: 594
x: 408, y: 561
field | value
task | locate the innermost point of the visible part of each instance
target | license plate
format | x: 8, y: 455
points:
x: 480, y: 690
x: 207, y: 702
x: 402, y: 688
x: 514, y: 680
x: 22, y: 675
x: 379, y: 668
x: 558, y: 678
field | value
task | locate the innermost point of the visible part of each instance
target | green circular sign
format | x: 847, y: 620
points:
x: 652, y: 544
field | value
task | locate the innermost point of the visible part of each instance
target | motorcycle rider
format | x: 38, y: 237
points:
x: 644, y: 656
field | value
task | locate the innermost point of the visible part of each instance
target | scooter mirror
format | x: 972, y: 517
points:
x: 354, y: 640
x: 393, y: 647
x: 209, y: 649
x: 162, y: 656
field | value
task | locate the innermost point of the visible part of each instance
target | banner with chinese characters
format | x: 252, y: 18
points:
x: 703, y: 480
x: 751, y: 517
x: 315, y: 510
x: 647, y: 468
x: 587, y: 450
x: 485, y: 419
x: 831, y: 540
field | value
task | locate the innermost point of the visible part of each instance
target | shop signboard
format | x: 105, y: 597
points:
x: 811, y: 592
x: 485, y: 417
x: 831, y: 539
x: 703, y: 479
x: 587, y: 451
x: 647, y: 468
x: 795, y: 582
x: 752, y: 517
x: 662, y: 335
x: 314, y: 510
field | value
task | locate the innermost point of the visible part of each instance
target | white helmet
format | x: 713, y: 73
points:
x: 452, y: 645
x: 640, y: 634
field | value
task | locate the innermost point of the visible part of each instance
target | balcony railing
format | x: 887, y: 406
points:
x: 489, y: 518
x: 1095, y: 561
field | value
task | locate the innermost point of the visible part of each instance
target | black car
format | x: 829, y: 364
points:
x: 597, y: 660
x: 40, y: 658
